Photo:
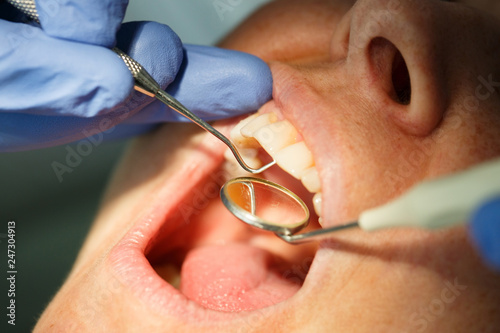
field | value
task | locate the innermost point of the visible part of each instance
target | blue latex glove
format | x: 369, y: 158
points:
x: 485, y: 232
x: 54, y: 91
x: 89, y: 21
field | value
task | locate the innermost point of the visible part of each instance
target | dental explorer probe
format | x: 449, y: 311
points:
x: 432, y: 204
x: 145, y: 84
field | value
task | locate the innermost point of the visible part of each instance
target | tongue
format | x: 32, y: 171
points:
x: 234, y: 278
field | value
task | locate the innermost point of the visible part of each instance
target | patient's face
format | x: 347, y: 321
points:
x: 389, y: 94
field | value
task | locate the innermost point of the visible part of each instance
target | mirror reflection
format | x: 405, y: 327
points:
x: 265, y: 204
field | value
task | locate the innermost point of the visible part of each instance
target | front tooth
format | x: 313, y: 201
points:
x: 317, y: 201
x: 258, y: 122
x: 238, y: 139
x: 310, y: 180
x: 295, y: 159
x: 276, y: 136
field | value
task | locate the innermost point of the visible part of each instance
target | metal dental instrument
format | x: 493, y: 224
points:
x: 148, y: 86
x: 265, y: 205
x: 432, y: 204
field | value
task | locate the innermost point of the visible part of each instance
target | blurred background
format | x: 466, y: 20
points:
x: 52, y: 217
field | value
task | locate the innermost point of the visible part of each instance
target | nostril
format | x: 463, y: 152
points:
x: 390, y: 66
x: 401, y: 80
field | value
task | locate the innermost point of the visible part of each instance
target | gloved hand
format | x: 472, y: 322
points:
x: 485, y: 232
x: 55, y: 91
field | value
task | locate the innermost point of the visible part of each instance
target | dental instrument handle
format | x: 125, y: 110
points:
x: 148, y: 86
x: 27, y: 7
x: 439, y: 203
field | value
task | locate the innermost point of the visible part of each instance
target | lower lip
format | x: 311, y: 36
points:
x: 127, y: 259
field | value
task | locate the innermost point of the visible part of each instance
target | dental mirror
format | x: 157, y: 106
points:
x: 272, y: 207
x: 265, y: 205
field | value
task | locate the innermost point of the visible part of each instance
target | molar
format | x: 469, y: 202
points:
x: 276, y: 136
x: 295, y: 159
x: 279, y: 139
x: 243, y: 141
x: 310, y: 180
x: 317, y: 202
x: 257, y: 123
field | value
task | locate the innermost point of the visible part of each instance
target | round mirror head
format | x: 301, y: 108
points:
x: 264, y: 204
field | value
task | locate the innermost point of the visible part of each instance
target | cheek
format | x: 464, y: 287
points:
x: 466, y: 138
x: 378, y: 161
x: 369, y: 160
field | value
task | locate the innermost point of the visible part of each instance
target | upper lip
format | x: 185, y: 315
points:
x: 291, y: 94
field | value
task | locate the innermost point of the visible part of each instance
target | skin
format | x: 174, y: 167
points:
x: 332, y: 70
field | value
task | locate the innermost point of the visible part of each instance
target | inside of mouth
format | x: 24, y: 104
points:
x: 222, y: 264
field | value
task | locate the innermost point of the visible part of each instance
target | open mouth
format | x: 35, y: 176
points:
x: 186, y: 254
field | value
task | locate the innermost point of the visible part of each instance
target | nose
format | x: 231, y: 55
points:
x: 394, y: 42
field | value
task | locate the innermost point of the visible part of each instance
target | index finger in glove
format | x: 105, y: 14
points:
x: 87, y: 21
